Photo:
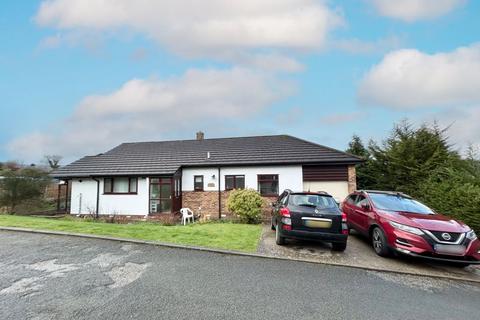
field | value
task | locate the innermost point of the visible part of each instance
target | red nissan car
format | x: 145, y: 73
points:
x: 395, y: 222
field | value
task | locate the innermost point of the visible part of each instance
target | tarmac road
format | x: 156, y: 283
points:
x: 60, y: 277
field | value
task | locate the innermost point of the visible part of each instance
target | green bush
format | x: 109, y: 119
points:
x: 452, y: 193
x: 246, y: 204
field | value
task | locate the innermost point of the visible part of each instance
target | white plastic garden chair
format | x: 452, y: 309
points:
x: 187, y: 214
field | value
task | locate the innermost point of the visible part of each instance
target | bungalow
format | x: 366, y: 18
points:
x: 150, y: 178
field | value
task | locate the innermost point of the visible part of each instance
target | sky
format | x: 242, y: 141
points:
x: 78, y: 77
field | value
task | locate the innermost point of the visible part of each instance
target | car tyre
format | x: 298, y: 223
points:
x: 278, y: 238
x: 339, y: 246
x: 379, y: 242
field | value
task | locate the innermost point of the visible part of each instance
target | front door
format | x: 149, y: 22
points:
x: 177, y: 191
x: 160, y: 195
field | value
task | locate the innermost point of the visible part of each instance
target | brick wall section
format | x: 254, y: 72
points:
x: 208, y: 202
x: 352, y: 179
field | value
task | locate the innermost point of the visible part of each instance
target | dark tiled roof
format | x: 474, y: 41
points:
x: 166, y: 157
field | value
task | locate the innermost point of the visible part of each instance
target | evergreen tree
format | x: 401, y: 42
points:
x: 365, y: 179
x: 421, y: 162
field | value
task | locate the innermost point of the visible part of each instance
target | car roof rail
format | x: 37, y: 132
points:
x: 309, y: 192
x: 393, y: 193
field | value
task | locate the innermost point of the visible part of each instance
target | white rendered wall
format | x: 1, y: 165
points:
x: 338, y: 189
x: 119, y: 204
x: 207, y: 173
x: 84, y: 196
x: 289, y: 177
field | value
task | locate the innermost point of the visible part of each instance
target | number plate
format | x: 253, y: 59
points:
x: 456, y: 250
x: 318, y: 223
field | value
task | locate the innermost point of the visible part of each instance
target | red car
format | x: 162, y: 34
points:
x: 395, y: 222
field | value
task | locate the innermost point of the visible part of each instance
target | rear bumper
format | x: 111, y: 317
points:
x: 317, y: 236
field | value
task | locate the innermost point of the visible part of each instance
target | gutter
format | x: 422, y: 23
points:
x: 98, y: 196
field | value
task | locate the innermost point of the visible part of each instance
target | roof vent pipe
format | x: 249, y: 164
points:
x: 200, y: 135
x: 208, y: 155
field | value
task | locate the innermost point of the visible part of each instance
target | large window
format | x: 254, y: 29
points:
x: 390, y: 202
x: 120, y: 185
x: 234, y: 182
x: 268, y: 184
x: 198, y: 183
x: 313, y: 200
x: 160, y: 195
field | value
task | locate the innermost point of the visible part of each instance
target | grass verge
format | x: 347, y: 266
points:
x: 230, y: 236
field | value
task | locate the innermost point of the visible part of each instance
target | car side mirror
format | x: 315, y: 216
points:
x: 366, y: 207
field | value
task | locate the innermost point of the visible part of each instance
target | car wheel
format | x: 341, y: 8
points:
x: 278, y: 238
x: 379, y: 242
x: 339, y: 246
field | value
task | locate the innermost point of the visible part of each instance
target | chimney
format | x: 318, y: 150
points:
x: 200, y: 135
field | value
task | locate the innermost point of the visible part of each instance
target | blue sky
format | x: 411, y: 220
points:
x: 79, y: 77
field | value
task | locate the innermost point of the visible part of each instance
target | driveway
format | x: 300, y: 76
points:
x: 60, y: 277
x: 359, y: 253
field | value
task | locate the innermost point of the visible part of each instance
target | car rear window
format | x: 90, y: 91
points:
x: 313, y: 200
x: 398, y: 203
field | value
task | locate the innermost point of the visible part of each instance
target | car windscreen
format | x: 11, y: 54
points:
x: 392, y: 202
x: 313, y: 200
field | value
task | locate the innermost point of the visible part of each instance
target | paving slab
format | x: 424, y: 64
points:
x: 360, y: 254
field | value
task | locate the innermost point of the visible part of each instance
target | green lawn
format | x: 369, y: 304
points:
x: 233, y: 236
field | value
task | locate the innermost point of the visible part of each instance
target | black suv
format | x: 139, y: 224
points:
x: 309, y: 216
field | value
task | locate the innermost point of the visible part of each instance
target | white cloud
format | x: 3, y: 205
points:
x: 463, y: 124
x: 409, y: 79
x: 151, y: 108
x: 412, y: 10
x: 201, y: 28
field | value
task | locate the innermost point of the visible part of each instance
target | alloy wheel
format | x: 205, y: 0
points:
x: 377, y: 241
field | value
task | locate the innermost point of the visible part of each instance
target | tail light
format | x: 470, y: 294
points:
x: 344, y: 223
x: 285, y: 212
x: 287, y: 222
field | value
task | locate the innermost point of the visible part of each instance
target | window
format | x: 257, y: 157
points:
x: 120, y: 185
x: 161, y: 195
x: 351, y: 199
x: 361, y: 200
x: 398, y: 203
x: 198, y: 183
x: 234, y: 182
x: 268, y: 184
x: 313, y: 200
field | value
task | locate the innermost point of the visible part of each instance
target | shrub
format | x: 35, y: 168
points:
x: 454, y: 194
x: 21, y: 185
x: 246, y: 204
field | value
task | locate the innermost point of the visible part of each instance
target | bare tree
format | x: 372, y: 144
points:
x: 53, y: 161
